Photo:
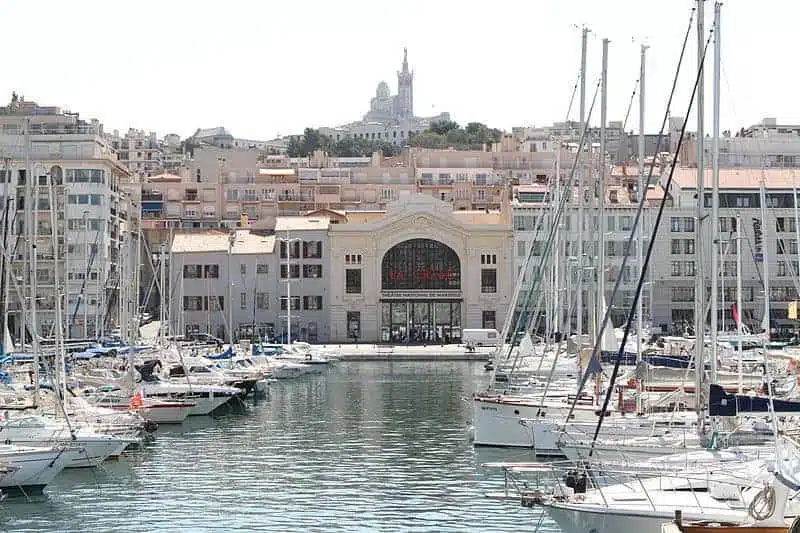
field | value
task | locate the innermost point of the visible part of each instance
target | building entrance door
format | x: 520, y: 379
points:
x: 420, y: 321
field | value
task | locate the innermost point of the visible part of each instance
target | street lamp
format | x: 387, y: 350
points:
x: 288, y: 240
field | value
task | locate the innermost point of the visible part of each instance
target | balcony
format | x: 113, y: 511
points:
x: 298, y: 197
x: 152, y: 196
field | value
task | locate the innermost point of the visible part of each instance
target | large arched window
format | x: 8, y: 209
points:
x: 421, y: 264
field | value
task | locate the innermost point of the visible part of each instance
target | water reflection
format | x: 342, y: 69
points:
x: 367, y: 447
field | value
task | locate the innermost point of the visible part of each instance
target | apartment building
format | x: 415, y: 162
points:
x: 140, y: 151
x: 61, y: 167
x: 253, y: 282
x: 769, y: 247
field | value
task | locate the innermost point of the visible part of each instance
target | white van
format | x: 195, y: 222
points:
x: 480, y: 337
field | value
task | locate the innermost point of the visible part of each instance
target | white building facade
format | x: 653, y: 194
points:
x: 419, y: 273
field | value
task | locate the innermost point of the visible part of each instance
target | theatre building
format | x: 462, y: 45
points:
x: 419, y: 272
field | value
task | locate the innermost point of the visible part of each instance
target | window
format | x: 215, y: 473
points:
x: 312, y: 249
x: 676, y: 247
x: 295, y: 303
x: 610, y: 223
x: 781, y: 268
x: 243, y: 269
x: 522, y: 248
x: 353, y: 281
x: 243, y: 300
x: 262, y: 300
x: 611, y: 248
x: 688, y: 224
x: 294, y: 249
x: 420, y: 264
x: 689, y: 246
x: 488, y: 280
x: 192, y: 271
x: 312, y: 303
x: 312, y: 271
x: 262, y: 268
x: 215, y: 303
x: 488, y: 320
x: 488, y: 259
x: 675, y: 224
x: 211, y: 271
x: 353, y: 325
x: 352, y: 259
x: 688, y: 268
x: 729, y: 269
x: 787, y: 246
x: 682, y: 294
x: 625, y: 223
x: 192, y: 303
x: 290, y: 271
x: 676, y: 268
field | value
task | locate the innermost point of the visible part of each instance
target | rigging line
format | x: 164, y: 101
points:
x: 628, y: 114
x: 572, y: 98
x: 651, y: 245
x: 510, y: 320
x: 548, y: 243
x: 642, y: 198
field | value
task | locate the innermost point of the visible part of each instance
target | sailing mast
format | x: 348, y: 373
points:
x: 738, y: 316
x: 699, y: 282
x: 601, y: 254
x: 765, y: 321
x: 640, y: 244
x: 581, y: 194
x: 716, y: 248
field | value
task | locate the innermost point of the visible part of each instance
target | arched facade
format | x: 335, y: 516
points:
x: 420, y: 282
x: 420, y: 273
x: 420, y: 264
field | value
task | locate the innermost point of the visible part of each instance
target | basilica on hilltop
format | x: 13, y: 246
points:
x: 391, y: 116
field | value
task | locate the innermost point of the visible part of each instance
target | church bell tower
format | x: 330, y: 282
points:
x: 405, y: 90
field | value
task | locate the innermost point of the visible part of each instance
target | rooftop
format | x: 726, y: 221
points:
x: 301, y: 223
x: 736, y: 178
x: 219, y: 241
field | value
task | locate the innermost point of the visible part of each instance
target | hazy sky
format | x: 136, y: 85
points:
x: 266, y: 67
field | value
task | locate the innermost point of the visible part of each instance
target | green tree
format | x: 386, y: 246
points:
x: 443, y: 126
x: 428, y: 139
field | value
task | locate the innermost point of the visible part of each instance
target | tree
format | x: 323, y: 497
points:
x: 428, y: 139
x: 443, y: 126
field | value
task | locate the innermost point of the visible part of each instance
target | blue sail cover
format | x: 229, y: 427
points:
x: 629, y: 359
x: 721, y: 403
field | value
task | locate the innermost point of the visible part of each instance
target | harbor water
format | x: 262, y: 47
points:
x: 362, y: 447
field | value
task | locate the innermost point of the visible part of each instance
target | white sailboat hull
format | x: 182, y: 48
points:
x: 166, y: 414
x: 30, y: 469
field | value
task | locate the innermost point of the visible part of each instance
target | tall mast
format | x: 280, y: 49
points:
x: 715, y: 247
x: 581, y: 186
x: 640, y: 240
x: 600, y: 307
x: 28, y: 241
x: 738, y: 317
x: 556, y: 309
x: 765, y: 322
x: 699, y: 283
x: 163, y: 292
x: 7, y: 210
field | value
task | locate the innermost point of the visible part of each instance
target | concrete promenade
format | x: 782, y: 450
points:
x: 431, y: 352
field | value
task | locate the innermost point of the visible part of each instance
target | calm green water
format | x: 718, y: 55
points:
x: 366, y: 447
